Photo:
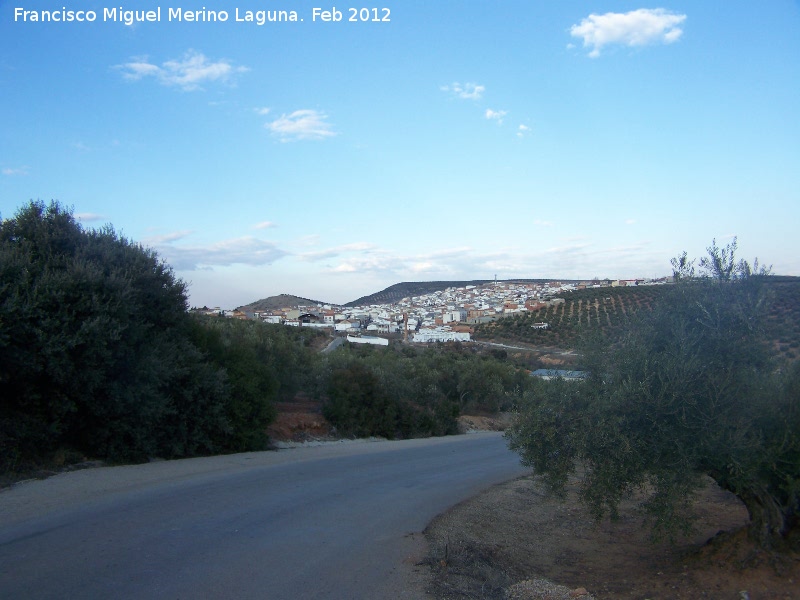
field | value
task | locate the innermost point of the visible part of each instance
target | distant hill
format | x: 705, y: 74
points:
x: 393, y: 293
x: 398, y: 291
x: 280, y: 301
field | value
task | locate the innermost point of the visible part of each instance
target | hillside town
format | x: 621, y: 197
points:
x: 443, y: 316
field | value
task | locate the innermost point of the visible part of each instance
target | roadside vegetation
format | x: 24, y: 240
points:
x: 691, y: 388
x: 100, y: 359
x: 99, y: 356
x: 402, y: 391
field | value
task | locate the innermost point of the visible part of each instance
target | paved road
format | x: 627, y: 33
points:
x: 337, y: 521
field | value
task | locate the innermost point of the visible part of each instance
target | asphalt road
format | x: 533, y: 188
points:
x: 340, y: 521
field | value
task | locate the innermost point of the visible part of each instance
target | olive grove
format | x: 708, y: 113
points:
x: 690, y: 391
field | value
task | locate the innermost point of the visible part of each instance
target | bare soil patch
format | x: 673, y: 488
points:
x: 472, y: 423
x: 300, y: 421
x: 516, y: 532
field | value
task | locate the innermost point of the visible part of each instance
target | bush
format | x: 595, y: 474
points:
x: 688, y: 391
x: 98, y: 354
x: 412, y: 392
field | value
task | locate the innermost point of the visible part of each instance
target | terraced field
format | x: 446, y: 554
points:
x: 610, y: 308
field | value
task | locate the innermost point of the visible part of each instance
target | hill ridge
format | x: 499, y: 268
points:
x: 406, y: 289
x: 279, y: 301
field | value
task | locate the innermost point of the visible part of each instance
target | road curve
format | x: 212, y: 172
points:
x: 328, y: 522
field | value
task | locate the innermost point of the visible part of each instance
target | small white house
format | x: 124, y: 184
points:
x: 375, y: 341
x: 347, y: 325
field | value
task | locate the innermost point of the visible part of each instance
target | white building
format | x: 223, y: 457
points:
x: 347, y: 325
x: 440, y: 334
x: 454, y: 315
x: 375, y: 341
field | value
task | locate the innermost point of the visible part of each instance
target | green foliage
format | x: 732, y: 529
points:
x: 243, y: 350
x: 98, y: 353
x: 609, y: 310
x: 359, y: 405
x: 690, y: 389
x: 408, y: 392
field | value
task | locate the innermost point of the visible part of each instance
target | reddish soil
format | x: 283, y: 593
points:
x: 300, y: 421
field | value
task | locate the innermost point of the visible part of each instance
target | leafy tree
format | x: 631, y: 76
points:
x: 421, y: 390
x: 97, y: 351
x: 358, y: 405
x: 690, y: 390
x: 244, y: 350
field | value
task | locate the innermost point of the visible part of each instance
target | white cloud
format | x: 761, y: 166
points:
x: 308, y: 241
x: 368, y: 258
x: 421, y: 267
x: 495, y: 115
x: 371, y: 263
x: 138, y: 68
x: 522, y: 130
x: 264, y: 225
x: 262, y: 111
x: 318, y: 255
x: 156, y: 240
x: 244, y: 251
x: 630, y: 221
x: 467, y: 91
x: 188, y: 73
x: 640, y: 27
x: 301, y: 125
x: 15, y: 172
x: 569, y: 259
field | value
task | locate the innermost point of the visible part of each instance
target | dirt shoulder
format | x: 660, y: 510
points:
x: 515, y: 532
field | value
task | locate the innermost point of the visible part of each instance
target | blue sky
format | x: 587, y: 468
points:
x: 462, y: 139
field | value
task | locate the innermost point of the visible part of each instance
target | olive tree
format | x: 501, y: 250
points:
x: 690, y: 390
x: 97, y: 353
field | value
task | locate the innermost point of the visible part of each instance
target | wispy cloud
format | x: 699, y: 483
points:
x: 570, y: 258
x: 640, y: 27
x: 15, y: 171
x: 630, y: 221
x: 467, y: 91
x: 308, y: 241
x: 189, y: 73
x: 523, y: 130
x: 379, y: 262
x: 301, y: 125
x: 317, y: 255
x: 244, y: 251
x: 264, y: 225
x: 166, y: 238
x: 262, y: 111
x: 495, y: 115
x: 83, y: 217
